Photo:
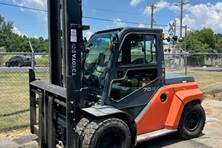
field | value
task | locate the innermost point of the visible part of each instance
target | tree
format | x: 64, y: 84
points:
x: 206, y: 36
x: 13, y: 42
x: 218, y: 45
x: 201, y: 41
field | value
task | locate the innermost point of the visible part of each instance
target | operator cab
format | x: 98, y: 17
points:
x: 123, y: 64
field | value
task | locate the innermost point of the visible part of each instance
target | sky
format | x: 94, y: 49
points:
x: 198, y: 14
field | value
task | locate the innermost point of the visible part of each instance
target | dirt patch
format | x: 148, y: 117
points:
x: 215, y: 94
x: 218, y: 96
x: 10, y: 135
x: 212, y: 132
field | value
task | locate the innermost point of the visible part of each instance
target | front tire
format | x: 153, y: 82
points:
x: 108, y: 133
x: 19, y: 64
x: 192, y: 121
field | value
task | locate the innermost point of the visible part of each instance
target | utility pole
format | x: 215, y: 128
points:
x: 153, y: 7
x: 181, y: 5
x: 181, y: 18
x: 175, y: 27
x: 185, y: 57
x: 186, y: 27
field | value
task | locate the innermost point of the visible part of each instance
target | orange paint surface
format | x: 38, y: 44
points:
x: 167, y: 114
x: 174, y: 113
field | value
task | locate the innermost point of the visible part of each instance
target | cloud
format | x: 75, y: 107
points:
x: 141, y: 25
x: 163, y: 4
x: 158, y: 7
x: 134, y: 3
x: 38, y: 4
x: 17, y: 31
x: 203, y: 15
x: 118, y: 22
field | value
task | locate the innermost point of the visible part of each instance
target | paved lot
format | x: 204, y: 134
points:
x: 211, y: 138
x: 214, y: 69
x: 212, y: 134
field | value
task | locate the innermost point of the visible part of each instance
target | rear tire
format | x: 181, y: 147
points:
x: 192, y: 121
x: 108, y: 133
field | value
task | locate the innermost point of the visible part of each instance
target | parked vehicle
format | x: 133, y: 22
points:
x: 19, y: 61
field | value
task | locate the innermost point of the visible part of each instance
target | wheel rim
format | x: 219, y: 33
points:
x: 192, y: 121
x: 111, y: 138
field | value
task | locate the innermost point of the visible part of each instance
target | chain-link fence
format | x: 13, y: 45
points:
x: 14, y: 101
x: 185, y: 63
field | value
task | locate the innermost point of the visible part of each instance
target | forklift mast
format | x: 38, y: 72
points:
x: 65, y: 45
x: 69, y: 12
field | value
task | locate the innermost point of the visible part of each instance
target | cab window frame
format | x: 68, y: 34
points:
x: 138, y: 65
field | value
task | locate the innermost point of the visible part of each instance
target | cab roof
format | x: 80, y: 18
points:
x: 131, y: 29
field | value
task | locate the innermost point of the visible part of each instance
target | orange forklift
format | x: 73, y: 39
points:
x: 110, y: 91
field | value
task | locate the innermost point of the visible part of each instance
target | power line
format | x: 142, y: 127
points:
x: 86, y: 17
x: 38, y: 9
x: 127, y: 22
x: 110, y: 20
x: 111, y: 11
x: 24, y: 7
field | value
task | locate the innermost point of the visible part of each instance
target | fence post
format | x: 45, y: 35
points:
x: 33, y: 60
x: 1, y: 59
x: 33, y: 55
x: 185, y: 63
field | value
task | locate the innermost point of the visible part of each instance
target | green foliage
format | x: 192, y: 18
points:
x: 218, y: 45
x: 13, y: 42
x: 200, y: 41
x: 42, y: 61
x: 203, y: 41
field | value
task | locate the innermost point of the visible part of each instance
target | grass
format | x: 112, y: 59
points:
x: 210, y: 83
x: 42, y: 60
x: 14, y: 94
x: 208, y: 80
x: 13, y: 98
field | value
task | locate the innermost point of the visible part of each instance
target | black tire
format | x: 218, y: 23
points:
x: 80, y: 129
x: 7, y: 64
x: 192, y: 121
x: 19, y: 64
x: 108, y: 133
x: 13, y: 64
